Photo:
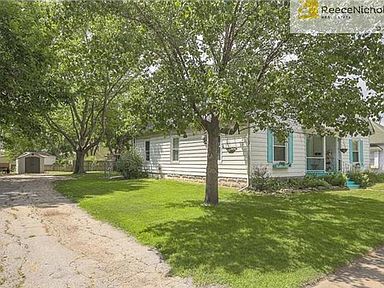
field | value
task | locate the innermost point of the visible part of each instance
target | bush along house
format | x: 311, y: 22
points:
x: 301, y: 153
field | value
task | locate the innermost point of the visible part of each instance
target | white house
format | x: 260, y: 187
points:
x: 376, y: 154
x: 302, y: 153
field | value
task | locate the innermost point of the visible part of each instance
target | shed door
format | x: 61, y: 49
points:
x: 32, y: 165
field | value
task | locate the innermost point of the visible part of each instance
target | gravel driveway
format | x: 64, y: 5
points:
x: 47, y: 241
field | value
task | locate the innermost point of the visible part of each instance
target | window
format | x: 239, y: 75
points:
x: 355, y: 151
x: 315, y: 153
x: 175, y: 149
x: 339, y: 155
x: 374, y: 160
x: 147, y: 151
x: 377, y: 157
x: 280, y: 150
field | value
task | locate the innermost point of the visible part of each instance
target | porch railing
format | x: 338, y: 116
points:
x: 315, y: 163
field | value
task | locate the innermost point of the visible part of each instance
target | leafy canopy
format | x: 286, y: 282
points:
x: 238, y: 61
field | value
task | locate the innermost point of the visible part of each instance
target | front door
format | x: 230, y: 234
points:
x: 331, y: 154
x: 32, y: 165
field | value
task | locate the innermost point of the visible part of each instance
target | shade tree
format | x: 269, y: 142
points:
x: 218, y: 64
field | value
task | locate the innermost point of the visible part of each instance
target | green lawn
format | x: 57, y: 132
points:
x: 247, y: 241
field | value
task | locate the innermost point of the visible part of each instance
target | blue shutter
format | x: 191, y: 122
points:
x: 269, y: 146
x: 290, y: 148
x: 350, y: 151
x: 361, y: 153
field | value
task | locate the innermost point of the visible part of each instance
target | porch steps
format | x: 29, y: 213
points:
x: 352, y: 184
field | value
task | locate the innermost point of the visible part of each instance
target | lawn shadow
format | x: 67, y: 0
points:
x: 267, y: 234
x: 89, y: 187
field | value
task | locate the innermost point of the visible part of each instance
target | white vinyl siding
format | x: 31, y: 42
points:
x: 259, y: 154
x: 193, y: 156
x: 345, y: 156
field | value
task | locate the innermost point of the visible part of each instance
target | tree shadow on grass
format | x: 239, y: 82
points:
x: 89, y: 187
x: 268, y: 234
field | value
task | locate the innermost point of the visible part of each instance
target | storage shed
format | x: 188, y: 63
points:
x: 30, y: 162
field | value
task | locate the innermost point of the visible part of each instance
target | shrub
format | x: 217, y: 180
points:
x: 366, y: 178
x: 361, y: 178
x: 312, y: 182
x: 375, y: 177
x: 380, y: 177
x: 335, y: 179
x: 261, y: 181
x: 130, y: 164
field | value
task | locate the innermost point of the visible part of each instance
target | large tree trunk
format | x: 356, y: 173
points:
x: 79, y: 163
x: 212, y: 172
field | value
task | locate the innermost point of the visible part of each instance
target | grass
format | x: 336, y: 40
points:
x: 248, y: 240
x: 68, y: 173
x: 58, y: 173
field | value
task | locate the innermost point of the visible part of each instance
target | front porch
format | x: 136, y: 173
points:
x: 323, y: 155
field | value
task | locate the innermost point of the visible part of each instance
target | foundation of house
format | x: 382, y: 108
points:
x: 223, y: 181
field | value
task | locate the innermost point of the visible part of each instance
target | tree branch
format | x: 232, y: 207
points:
x: 60, y: 130
x: 270, y: 57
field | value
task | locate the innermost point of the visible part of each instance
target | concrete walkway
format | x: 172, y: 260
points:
x: 46, y: 241
x: 367, y: 272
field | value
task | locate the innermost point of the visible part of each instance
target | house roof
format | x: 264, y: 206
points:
x: 377, y: 136
x: 375, y: 148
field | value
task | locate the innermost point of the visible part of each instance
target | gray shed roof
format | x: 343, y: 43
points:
x: 29, y: 154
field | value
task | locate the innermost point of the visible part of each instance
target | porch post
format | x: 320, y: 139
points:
x: 306, y: 153
x: 324, y: 153
x: 338, y: 155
